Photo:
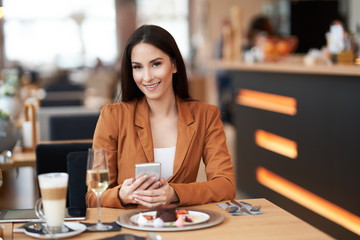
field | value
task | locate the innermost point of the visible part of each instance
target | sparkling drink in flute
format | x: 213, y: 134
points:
x: 97, y: 179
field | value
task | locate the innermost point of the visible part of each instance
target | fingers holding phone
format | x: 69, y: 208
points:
x: 145, y: 182
x: 147, y: 177
x: 155, y: 197
x: 130, y: 185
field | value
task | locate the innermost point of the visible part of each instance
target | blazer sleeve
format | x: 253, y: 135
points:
x: 220, y: 184
x: 106, y: 136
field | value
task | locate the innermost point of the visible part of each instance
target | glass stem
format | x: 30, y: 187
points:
x: 98, y: 224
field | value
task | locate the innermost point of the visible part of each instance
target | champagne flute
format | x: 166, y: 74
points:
x: 97, y: 179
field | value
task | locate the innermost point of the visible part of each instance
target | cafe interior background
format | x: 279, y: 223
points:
x: 289, y: 102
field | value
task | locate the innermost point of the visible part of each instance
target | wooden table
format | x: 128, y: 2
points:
x: 19, y: 159
x: 275, y: 223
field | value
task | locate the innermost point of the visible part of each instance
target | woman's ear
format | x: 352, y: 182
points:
x: 174, y: 67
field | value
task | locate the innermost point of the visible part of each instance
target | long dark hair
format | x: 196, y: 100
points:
x: 163, y: 40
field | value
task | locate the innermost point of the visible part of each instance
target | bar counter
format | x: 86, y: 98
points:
x: 291, y: 65
x: 297, y: 138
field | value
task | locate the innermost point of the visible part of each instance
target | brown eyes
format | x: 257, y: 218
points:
x: 156, y: 64
x: 137, y: 67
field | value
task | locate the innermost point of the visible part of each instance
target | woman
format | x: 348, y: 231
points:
x: 157, y: 120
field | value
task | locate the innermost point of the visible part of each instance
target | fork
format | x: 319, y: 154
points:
x: 255, y: 208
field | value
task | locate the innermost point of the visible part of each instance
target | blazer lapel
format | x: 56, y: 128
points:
x: 142, y: 122
x: 185, y: 134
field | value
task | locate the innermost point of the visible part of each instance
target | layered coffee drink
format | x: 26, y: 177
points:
x: 53, y: 188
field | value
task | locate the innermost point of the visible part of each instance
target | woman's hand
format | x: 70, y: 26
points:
x: 126, y: 193
x: 156, y: 196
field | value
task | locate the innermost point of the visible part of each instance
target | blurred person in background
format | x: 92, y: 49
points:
x: 100, y: 85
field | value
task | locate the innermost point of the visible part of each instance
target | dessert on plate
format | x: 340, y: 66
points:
x: 166, y: 212
x: 165, y: 215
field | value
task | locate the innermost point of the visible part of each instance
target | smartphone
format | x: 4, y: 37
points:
x: 25, y: 215
x: 150, y: 169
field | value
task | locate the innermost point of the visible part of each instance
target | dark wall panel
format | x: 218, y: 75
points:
x: 326, y: 129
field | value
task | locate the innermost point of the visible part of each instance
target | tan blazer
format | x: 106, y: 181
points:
x: 124, y: 130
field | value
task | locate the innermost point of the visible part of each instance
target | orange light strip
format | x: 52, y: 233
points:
x: 309, y: 200
x: 267, y: 101
x: 276, y: 143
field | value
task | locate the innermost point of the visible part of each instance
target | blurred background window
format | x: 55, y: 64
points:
x: 171, y: 15
x: 68, y: 34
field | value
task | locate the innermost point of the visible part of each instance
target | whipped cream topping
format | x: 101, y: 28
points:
x: 141, y: 220
x: 158, y: 223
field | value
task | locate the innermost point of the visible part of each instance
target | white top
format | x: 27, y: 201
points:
x: 166, y: 157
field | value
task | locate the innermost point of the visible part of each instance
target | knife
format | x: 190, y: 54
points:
x: 242, y: 208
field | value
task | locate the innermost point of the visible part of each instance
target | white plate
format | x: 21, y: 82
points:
x: 77, y: 227
x: 213, y: 218
x: 195, y: 216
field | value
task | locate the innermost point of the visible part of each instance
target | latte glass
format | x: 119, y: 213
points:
x: 51, y: 207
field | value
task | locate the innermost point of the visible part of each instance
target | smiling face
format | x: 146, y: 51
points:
x: 152, y: 71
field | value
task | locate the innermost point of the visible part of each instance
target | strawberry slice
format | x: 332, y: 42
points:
x: 182, y: 211
x: 148, y: 217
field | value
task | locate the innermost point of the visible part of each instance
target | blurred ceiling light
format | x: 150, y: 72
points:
x: 309, y: 200
x: 267, y: 101
x: 276, y: 143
